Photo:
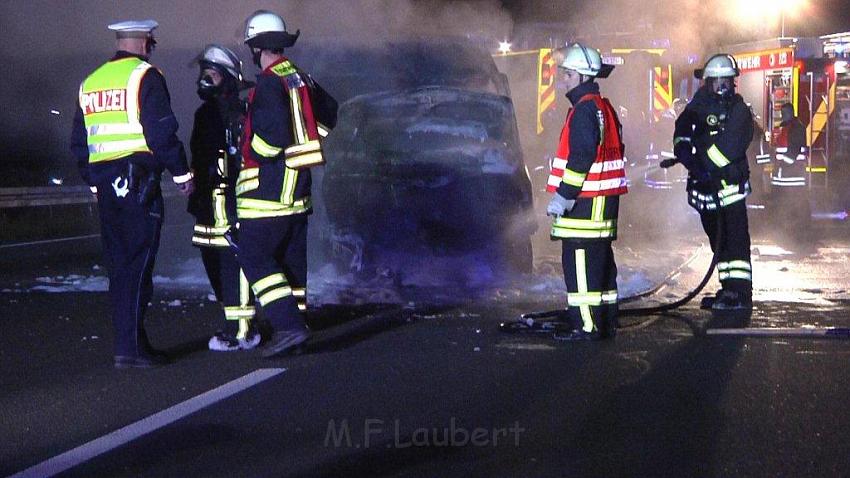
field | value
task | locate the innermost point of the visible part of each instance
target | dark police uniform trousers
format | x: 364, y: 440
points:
x: 130, y: 233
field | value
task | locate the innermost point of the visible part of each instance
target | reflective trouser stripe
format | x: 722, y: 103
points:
x: 244, y: 301
x: 238, y: 312
x: 271, y: 288
x: 737, y: 269
x: 202, y: 241
x: 592, y: 298
x: 209, y: 236
x: 581, y: 280
x: 300, y: 294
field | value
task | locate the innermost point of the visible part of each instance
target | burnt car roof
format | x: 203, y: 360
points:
x: 352, y: 70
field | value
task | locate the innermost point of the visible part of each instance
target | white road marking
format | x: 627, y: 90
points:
x: 106, y: 443
x: 48, y: 241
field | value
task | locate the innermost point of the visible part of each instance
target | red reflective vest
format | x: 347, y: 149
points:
x: 305, y: 150
x: 607, y: 174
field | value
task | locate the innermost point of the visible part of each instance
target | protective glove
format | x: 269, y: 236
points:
x: 684, y: 153
x: 559, y: 205
x: 668, y: 163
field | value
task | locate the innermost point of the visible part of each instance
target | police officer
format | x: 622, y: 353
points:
x: 215, y: 163
x: 123, y: 138
x: 790, y: 157
x: 711, y: 139
x: 588, y: 177
x: 287, y: 114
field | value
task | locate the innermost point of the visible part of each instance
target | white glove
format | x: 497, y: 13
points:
x: 559, y: 205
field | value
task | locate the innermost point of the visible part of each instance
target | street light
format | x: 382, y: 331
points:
x: 751, y: 12
x: 504, y: 47
x: 790, y: 7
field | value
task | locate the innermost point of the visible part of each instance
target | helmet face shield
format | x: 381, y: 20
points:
x: 223, y: 58
x: 210, y: 83
x: 718, y: 66
x: 723, y: 86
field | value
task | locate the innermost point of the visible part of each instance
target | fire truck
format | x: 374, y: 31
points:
x: 812, y: 75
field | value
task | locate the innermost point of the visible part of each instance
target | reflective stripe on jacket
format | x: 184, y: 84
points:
x: 791, y: 159
x: 607, y: 174
x: 593, y: 218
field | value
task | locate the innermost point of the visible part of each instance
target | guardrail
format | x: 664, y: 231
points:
x: 45, y: 196
x: 56, y: 195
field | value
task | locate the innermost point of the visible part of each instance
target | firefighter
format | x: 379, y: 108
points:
x: 123, y: 138
x: 215, y: 163
x: 790, y: 157
x: 287, y: 114
x: 711, y: 140
x: 587, y: 177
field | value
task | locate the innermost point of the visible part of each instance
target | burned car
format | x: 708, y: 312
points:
x: 425, y: 161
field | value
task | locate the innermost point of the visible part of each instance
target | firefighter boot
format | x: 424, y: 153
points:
x: 729, y: 300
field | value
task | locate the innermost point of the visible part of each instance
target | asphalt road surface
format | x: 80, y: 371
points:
x: 438, y: 391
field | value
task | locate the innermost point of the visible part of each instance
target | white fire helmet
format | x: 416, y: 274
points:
x: 721, y: 65
x: 582, y: 59
x: 223, y: 57
x: 265, y: 29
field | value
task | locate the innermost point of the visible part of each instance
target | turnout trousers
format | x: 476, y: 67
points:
x: 733, y: 267
x: 130, y: 234
x: 231, y: 288
x: 273, y: 255
x: 590, y: 273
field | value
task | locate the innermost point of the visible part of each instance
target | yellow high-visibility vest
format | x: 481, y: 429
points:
x: 109, y: 99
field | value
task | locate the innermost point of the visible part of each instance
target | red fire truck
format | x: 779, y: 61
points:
x: 797, y: 71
